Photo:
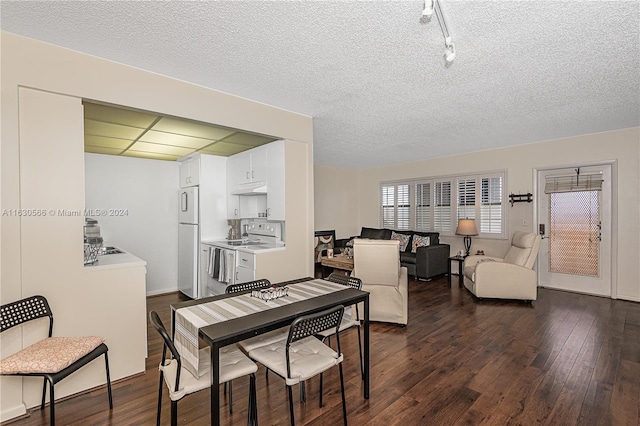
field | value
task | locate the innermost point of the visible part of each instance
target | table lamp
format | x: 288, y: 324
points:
x: 467, y: 227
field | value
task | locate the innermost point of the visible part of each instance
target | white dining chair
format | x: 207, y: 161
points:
x: 303, y: 356
x: 232, y: 363
x: 351, y: 317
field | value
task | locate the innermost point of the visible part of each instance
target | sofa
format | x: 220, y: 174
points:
x: 426, y: 263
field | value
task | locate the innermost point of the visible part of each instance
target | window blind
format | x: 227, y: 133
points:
x: 574, y: 183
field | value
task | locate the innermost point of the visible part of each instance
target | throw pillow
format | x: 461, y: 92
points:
x: 403, y: 238
x: 419, y: 241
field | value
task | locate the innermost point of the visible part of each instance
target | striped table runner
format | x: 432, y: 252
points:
x: 189, y: 320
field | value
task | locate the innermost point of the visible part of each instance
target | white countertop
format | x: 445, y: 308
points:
x: 114, y: 261
x: 254, y: 248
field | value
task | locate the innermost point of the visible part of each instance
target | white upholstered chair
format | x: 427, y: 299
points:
x: 511, y: 277
x: 377, y: 264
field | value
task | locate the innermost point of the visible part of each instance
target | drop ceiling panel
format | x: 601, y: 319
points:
x: 160, y: 149
x: 222, y: 148
x: 102, y: 150
x: 175, y: 139
x: 248, y: 139
x: 121, y: 131
x: 150, y: 155
x: 125, y: 117
x: 92, y: 127
x: 186, y: 127
x: 106, y: 142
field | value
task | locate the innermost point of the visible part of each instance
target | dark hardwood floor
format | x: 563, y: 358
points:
x: 566, y: 359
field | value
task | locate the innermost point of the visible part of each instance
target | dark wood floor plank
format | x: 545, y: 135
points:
x: 566, y: 359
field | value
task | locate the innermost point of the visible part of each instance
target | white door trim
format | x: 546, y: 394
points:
x: 614, y: 212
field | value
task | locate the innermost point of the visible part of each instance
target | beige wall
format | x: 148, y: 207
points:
x: 622, y: 146
x: 47, y: 68
x: 336, y: 200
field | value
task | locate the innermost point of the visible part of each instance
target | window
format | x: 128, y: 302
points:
x: 491, y: 205
x: 423, y: 206
x: 436, y: 204
x: 442, y: 207
x: 396, y: 206
x: 466, y: 198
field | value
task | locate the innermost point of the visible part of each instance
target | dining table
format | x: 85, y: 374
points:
x: 230, y: 318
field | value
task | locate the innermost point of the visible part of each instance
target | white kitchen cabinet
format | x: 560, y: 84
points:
x: 233, y: 206
x: 248, y: 167
x: 261, y: 164
x: 245, y: 267
x: 275, y: 181
x: 190, y: 173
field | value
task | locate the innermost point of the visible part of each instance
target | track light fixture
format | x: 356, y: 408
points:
x: 450, y: 51
x: 431, y: 7
x: 427, y: 12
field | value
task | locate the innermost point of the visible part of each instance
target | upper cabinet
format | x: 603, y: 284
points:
x: 190, y: 173
x: 264, y: 165
x: 275, y: 181
x: 248, y: 167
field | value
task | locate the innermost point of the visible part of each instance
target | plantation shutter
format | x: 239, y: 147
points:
x: 388, y: 206
x: 442, y: 207
x: 491, y: 205
x: 467, y: 198
x: 423, y: 206
x: 403, y: 207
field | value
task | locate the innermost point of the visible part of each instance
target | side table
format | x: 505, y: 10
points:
x: 460, y: 260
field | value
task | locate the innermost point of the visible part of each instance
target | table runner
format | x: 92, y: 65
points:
x: 189, y: 320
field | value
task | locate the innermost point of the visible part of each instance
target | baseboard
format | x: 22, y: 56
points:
x: 12, y: 413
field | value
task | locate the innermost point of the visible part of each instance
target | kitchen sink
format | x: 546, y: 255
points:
x: 110, y: 250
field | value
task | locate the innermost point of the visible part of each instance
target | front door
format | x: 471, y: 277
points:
x: 575, y: 209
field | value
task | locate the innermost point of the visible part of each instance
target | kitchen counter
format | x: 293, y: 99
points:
x: 114, y: 261
x: 253, y: 248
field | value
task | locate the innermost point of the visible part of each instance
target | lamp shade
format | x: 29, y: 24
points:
x: 467, y: 227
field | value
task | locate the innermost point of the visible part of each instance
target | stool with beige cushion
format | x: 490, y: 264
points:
x: 511, y: 277
x: 53, y: 358
x: 377, y: 264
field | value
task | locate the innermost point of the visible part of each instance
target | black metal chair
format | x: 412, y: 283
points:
x: 348, y: 319
x: 180, y: 382
x: 251, y: 285
x: 53, y: 358
x: 301, y: 343
x: 261, y: 339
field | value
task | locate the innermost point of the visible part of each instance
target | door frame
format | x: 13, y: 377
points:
x: 614, y: 212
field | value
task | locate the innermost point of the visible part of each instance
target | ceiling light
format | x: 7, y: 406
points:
x: 450, y: 53
x: 430, y: 7
x: 427, y: 12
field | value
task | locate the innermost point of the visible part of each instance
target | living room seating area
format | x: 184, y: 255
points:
x: 420, y: 252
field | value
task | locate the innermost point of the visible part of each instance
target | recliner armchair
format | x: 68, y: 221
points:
x: 510, y: 278
x: 377, y: 264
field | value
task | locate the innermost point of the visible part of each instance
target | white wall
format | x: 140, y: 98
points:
x: 147, y: 190
x: 623, y: 146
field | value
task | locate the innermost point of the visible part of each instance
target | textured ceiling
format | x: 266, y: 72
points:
x: 371, y: 74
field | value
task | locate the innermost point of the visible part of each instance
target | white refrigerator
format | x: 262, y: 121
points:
x: 188, y: 241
